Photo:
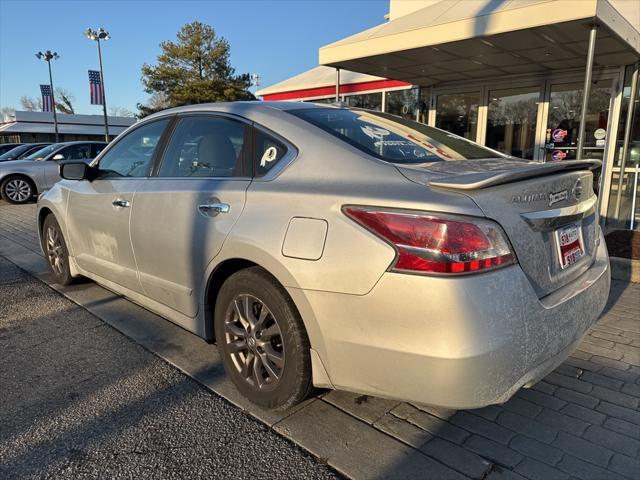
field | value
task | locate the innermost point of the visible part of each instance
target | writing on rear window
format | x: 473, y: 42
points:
x: 392, y: 138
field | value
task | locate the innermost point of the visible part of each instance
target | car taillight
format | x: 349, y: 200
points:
x: 434, y: 243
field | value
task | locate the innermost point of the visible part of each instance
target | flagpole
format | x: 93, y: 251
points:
x: 53, y: 102
x: 98, y: 35
x: 47, y: 57
x: 104, y: 95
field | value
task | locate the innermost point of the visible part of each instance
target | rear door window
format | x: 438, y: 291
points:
x: 79, y: 151
x: 392, y: 138
x: 268, y: 152
x: 207, y: 146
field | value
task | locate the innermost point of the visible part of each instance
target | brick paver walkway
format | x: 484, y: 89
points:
x: 582, y: 421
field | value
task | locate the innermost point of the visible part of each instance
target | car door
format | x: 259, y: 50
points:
x: 76, y: 151
x: 99, y: 210
x: 182, y: 215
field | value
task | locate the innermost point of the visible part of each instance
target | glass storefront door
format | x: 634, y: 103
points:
x: 624, y: 195
x: 458, y: 113
x: 565, y: 105
x: 511, y: 121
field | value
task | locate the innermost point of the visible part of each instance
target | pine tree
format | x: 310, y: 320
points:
x: 194, y: 69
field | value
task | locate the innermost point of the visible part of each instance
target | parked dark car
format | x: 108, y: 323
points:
x: 22, y: 151
x: 5, y: 147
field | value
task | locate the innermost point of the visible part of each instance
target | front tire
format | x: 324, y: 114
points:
x: 17, y: 189
x: 55, y: 249
x: 262, y: 340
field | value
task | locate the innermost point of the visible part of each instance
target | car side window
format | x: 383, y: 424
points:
x: 268, y: 152
x: 81, y: 151
x: 132, y: 155
x: 205, y: 147
x: 97, y: 148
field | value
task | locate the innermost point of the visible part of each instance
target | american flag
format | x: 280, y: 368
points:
x: 47, y: 98
x: 95, y: 85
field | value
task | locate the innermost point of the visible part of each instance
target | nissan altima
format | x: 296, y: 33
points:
x: 340, y: 248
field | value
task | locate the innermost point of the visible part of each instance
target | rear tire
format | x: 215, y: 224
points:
x: 55, y: 249
x: 262, y: 340
x: 17, y: 189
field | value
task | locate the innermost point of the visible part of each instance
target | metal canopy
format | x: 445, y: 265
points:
x: 519, y: 37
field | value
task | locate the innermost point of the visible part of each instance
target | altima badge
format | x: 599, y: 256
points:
x: 558, y: 197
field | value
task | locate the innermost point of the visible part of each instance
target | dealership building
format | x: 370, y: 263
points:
x: 32, y: 127
x: 509, y: 74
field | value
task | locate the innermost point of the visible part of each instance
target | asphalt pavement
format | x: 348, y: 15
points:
x: 80, y: 400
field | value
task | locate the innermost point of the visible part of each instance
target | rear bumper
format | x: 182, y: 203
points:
x: 463, y: 342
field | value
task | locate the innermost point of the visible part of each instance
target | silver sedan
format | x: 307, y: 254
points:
x: 339, y: 248
x: 21, y: 180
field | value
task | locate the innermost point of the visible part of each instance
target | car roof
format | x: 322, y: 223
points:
x: 75, y: 142
x: 241, y: 107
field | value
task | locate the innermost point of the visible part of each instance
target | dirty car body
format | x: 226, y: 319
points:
x: 424, y: 267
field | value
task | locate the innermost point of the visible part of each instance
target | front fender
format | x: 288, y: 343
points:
x: 54, y: 201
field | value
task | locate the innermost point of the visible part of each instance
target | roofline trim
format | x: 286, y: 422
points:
x: 331, y: 90
x: 520, y: 18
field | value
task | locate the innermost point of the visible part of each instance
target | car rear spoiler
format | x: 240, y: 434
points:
x: 478, y: 180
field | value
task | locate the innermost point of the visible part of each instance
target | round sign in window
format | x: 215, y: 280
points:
x: 558, y: 135
x: 600, y: 134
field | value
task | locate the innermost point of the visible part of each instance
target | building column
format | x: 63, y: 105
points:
x: 627, y: 138
x: 586, y: 90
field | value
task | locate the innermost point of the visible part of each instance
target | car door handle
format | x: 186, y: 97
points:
x: 120, y: 203
x: 214, y: 207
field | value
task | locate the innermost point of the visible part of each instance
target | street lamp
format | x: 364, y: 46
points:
x: 47, y: 57
x: 101, y: 34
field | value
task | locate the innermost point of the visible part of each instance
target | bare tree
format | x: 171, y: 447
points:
x: 6, y: 112
x: 157, y: 101
x: 121, y: 112
x: 31, y: 104
x: 64, y: 101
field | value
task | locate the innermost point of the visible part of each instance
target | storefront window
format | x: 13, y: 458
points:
x: 370, y: 101
x: 423, y: 105
x: 458, y: 113
x: 624, y: 199
x: 402, y: 103
x: 322, y: 100
x: 511, y: 126
x: 565, y: 106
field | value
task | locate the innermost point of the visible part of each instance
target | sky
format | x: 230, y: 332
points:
x: 274, y: 38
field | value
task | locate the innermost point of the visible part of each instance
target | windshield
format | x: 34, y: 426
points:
x: 392, y: 138
x: 43, y: 152
x: 14, y: 152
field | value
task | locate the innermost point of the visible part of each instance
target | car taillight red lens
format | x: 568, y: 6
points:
x: 437, y: 243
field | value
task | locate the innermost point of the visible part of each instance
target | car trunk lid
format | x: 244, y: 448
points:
x: 543, y: 208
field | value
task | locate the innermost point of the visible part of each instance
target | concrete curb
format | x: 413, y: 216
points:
x: 625, y: 269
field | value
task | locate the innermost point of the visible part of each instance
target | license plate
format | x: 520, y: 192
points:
x: 570, y: 246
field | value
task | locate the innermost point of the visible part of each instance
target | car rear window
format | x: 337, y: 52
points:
x: 392, y: 138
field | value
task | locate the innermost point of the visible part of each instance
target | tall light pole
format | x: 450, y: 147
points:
x: 101, y: 34
x: 47, y: 57
x: 255, y: 80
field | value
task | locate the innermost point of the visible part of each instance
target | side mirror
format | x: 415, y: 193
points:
x: 75, y: 171
x: 58, y: 156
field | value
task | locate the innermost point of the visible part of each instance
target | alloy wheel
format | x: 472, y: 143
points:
x: 18, y: 190
x: 55, y: 251
x: 254, y: 341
